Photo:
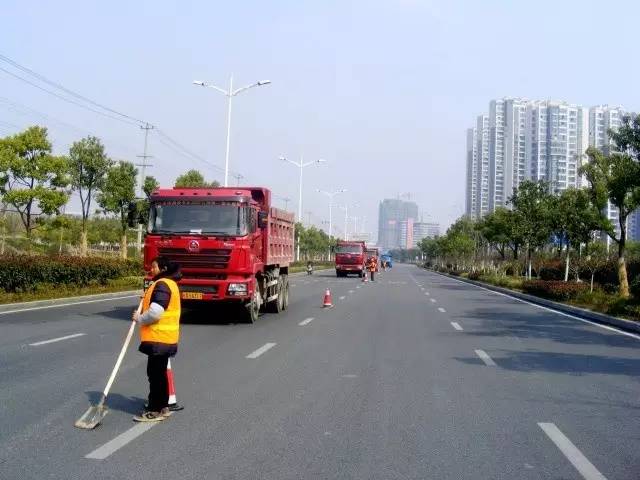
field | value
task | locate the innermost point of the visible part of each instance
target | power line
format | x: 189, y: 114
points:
x: 168, y: 142
x: 68, y: 100
x: 66, y: 90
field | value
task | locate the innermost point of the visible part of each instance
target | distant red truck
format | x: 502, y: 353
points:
x: 231, y: 244
x: 350, y: 258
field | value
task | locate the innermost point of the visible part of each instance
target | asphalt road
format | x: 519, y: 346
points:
x: 415, y: 376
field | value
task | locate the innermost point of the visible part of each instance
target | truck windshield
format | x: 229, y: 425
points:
x: 348, y: 249
x: 198, y: 218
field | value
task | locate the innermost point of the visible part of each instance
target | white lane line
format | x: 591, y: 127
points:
x: 457, y: 326
x: 342, y: 298
x: 485, y: 358
x: 427, y: 293
x: 59, y: 339
x: 351, y: 291
x: 575, y: 456
x: 433, y: 300
x: 70, y: 304
x: 595, y: 324
x: 120, y: 441
x: 441, y: 310
x: 359, y: 286
x: 306, y: 321
x: 261, y: 350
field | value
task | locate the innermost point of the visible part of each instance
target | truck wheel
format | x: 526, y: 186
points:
x: 276, y: 306
x: 252, y: 309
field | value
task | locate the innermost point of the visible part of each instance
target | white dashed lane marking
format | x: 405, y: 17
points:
x: 456, y: 325
x: 261, y: 350
x: 306, y: 322
x: 485, y: 358
x: 59, y: 339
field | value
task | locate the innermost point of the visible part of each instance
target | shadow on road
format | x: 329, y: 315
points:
x: 117, y: 402
x: 566, y: 363
x: 543, y: 326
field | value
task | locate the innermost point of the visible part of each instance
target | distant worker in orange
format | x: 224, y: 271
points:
x: 372, y: 266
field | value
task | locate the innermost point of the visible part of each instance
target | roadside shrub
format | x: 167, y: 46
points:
x: 552, y: 269
x: 554, y: 290
x: 474, y: 276
x: 634, y: 287
x: 23, y: 273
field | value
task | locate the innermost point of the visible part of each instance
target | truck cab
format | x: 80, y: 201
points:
x: 350, y: 258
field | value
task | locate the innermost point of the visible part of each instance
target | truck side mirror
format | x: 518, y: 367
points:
x: 263, y: 218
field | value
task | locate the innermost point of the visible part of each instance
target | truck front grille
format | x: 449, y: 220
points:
x: 207, y: 258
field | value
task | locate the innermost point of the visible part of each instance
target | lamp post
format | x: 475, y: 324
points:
x: 331, y: 195
x: 301, y: 164
x: 230, y: 94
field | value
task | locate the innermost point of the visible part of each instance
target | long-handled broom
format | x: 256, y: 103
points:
x: 94, y: 415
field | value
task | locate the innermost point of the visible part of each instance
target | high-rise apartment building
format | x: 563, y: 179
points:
x: 412, y: 233
x: 471, y: 201
x: 392, y: 213
x: 482, y: 172
x: 525, y: 140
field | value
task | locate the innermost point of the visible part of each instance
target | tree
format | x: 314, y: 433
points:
x: 88, y: 167
x: 194, y: 179
x: 594, y: 259
x: 616, y: 178
x: 118, y: 195
x: 143, y: 205
x: 32, y: 180
x: 532, y: 209
x: 575, y: 220
x: 499, y: 229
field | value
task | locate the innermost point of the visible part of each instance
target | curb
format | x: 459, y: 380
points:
x: 57, y: 301
x: 626, y: 325
x: 84, y: 298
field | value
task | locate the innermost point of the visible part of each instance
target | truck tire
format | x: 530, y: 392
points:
x: 251, y: 309
x: 285, y: 292
x: 360, y: 274
x: 276, y: 306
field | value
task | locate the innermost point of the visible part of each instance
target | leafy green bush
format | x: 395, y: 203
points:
x: 554, y: 290
x: 474, y: 276
x: 23, y: 273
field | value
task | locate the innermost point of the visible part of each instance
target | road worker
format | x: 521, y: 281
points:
x: 372, y: 265
x: 159, y: 333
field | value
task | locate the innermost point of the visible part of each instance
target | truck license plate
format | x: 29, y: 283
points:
x: 191, y: 295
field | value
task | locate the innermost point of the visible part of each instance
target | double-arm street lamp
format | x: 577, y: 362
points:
x: 331, y: 195
x: 230, y: 94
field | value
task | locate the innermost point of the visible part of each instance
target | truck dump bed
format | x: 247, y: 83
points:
x: 280, y: 238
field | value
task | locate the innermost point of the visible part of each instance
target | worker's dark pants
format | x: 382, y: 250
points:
x: 158, y: 386
x: 372, y: 275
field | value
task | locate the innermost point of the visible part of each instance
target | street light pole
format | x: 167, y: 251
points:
x: 230, y: 94
x: 301, y: 164
x: 331, y: 195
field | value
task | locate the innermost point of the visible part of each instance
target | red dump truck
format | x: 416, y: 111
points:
x: 231, y: 244
x: 350, y: 258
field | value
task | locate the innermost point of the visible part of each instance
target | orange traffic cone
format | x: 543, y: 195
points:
x: 327, y: 299
x: 173, y: 403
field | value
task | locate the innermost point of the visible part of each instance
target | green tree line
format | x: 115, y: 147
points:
x: 541, y: 224
x: 35, y: 187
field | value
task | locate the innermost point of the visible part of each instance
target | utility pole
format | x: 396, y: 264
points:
x: 143, y: 166
x: 238, y: 177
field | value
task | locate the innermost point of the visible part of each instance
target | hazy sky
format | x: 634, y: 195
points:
x: 383, y: 90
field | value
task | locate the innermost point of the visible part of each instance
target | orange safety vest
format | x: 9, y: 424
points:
x: 167, y: 329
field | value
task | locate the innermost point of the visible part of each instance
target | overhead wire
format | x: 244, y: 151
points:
x: 113, y: 114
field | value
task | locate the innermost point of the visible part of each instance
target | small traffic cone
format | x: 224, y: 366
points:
x: 173, y: 403
x: 364, y: 278
x: 327, y: 299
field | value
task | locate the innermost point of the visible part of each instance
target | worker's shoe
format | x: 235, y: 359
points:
x: 166, y: 412
x: 149, y: 417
